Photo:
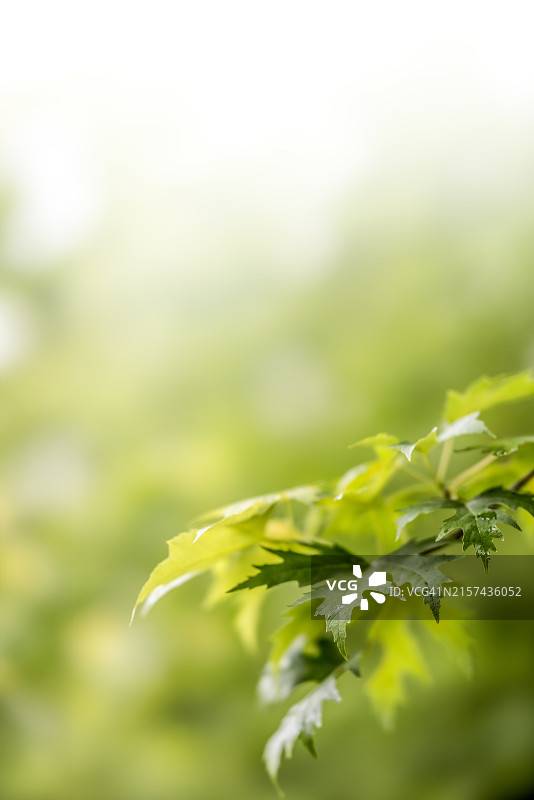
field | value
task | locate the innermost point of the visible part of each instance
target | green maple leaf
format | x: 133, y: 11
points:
x: 478, y: 518
x: 423, y: 445
x: 305, y: 659
x: 301, y: 722
x: 338, y: 629
x: 335, y: 612
x: 506, y: 497
x: 383, y: 441
x: 297, y: 567
x: 487, y: 393
x: 245, y: 510
x: 189, y: 556
x: 501, y: 447
x: 367, y: 480
x: 273, y: 534
x: 420, y: 571
x: 293, y: 566
x: 478, y: 531
x: 467, y: 425
x: 400, y: 658
x: 300, y: 652
x: 425, y: 507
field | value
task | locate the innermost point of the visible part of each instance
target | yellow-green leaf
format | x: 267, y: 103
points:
x: 487, y: 393
x: 244, y: 510
x: 189, y: 556
x: 400, y: 658
x: 423, y: 445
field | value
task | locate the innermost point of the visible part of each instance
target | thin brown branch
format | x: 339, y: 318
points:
x: 515, y: 487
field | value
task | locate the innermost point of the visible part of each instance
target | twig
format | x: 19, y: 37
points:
x: 515, y: 487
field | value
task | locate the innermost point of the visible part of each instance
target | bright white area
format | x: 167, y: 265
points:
x: 274, y: 111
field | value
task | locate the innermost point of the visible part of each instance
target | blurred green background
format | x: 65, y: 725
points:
x: 194, y: 346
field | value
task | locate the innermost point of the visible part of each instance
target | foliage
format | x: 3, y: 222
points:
x: 266, y: 541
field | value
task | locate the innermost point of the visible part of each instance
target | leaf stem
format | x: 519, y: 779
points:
x: 442, y: 468
x: 446, y: 453
x: 415, y: 474
x: 428, y: 465
x: 470, y: 471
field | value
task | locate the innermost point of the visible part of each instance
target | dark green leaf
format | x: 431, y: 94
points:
x: 479, y: 531
x: 293, y: 566
x: 420, y: 571
x: 337, y: 614
x: 506, y: 497
x: 501, y: 447
x: 426, y: 507
x: 338, y: 629
x: 478, y: 518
